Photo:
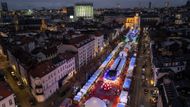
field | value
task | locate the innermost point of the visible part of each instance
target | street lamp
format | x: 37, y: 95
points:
x: 152, y: 82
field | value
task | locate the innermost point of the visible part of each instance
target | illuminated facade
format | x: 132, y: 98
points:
x: 133, y: 21
x: 84, y: 10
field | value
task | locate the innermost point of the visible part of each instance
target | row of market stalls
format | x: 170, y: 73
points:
x: 83, y: 91
x: 127, y: 83
x: 131, y: 37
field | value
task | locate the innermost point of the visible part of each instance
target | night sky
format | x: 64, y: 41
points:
x: 28, y: 4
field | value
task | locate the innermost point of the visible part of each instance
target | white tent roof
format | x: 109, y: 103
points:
x: 120, y: 105
x: 77, y: 98
x: 83, y: 90
x: 79, y: 94
x: 123, y: 96
x: 95, y: 102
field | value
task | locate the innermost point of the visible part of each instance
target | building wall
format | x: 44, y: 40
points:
x: 12, y: 61
x: 1, y: 49
x: 159, y: 104
x: 23, y: 74
x: 17, y: 67
x: 49, y: 83
x: 84, y: 11
x: 86, y: 53
x: 116, y: 34
x: 132, y: 21
x: 8, y: 101
x: 98, y: 43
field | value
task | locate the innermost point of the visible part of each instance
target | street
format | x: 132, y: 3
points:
x: 141, y: 88
x: 20, y: 93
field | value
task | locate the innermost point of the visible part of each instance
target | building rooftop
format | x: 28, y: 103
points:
x: 174, y: 49
x: 84, y: 3
x: 47, y: 66
x: 79, y: 41
x: 174, y: 89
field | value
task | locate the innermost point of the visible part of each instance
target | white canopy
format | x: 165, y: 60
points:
x: 79, y: 94
x: 88, y: 83
x: 123, y: 96
x: 77, y: 98
x: 90, y: 80
x: 83, y: 90
x: 95, y: 102
x: 86, y: 87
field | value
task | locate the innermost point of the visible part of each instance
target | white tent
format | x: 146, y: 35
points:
x: 88, y: 83
x: 90, y: 80
x: 120, y: 105
x: 79, y: 94
x: 86, y: 87
x: 77, y: 98
x: 95, y: 102
x: 123, y: 96
x: 83, y: 90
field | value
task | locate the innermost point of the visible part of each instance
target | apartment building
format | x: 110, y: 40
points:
x: 48, y: 76
x: 83, y: 45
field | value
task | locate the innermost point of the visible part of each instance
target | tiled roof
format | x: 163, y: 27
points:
x: 98, y: 34
x: 79, y: 41
x: 5, y: 90
x: 46, y: 67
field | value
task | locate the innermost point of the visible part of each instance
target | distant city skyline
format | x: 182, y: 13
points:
x: 29, y: 4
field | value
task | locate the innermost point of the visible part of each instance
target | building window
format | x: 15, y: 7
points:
x: 3, y: 105
x: 10, y: 102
